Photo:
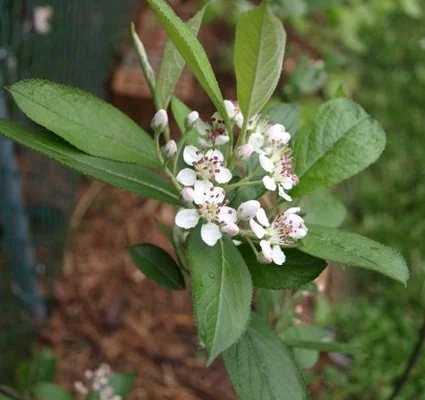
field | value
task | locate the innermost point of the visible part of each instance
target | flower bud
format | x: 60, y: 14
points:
x: 159, y: 121
x: 244, y: 152
x: 230, y: 229
x: 187, y: 194
x: 230, y: 108
x: 263, y: 259
x: 191, y: 119
x: 248, y: 209
x: 222, y: 139
x: 170, y: 149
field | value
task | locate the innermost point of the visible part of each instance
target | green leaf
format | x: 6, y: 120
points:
x: 298, y: 269
x: 85, y: 121
x: 305, y: 358
x: 261, y: 367
x: 172, y: 65
x: 7, y: 393
x: 259, y: 50
x: 352, y: 249
x: 324, y: 208
x: 222, y: 292
x: 341, y: 141
x: 43, y: 367
x: 131, y: 177
x: 50, y: 391
x: 326, y: 347
x: 144, y: 61
x: 191, y: 50
x: 286, y: 114
x: 158, y: 265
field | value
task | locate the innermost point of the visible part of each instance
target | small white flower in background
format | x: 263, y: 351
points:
x: 170, y: 149
x: 285, y: 230
x: 159, y: 121
x: 244, y: 152
x: 206, y: 166
x: 191, y: 119
x: 233, y: 112
x: 98, y: 381
x: 211, y: 208
x: 42, y: 19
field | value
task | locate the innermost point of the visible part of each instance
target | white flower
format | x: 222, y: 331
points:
x: 281, y: 175
x: 191, y: 119
x: 256, y: 141
x: 233, y: 112
x: 211, y: 208
x: 159, y: 121
x: 206, y: 166
x: 285, y: 230
x: 244, y: 152
x: 214, y: 133
x: 170, y: 149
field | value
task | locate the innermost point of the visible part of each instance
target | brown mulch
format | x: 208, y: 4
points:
x: 108, y: 311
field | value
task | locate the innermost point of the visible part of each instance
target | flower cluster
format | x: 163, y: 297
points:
x: 97, y: 381
x: 207, y: 183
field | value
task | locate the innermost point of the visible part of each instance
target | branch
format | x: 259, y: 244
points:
x: 414, y: 356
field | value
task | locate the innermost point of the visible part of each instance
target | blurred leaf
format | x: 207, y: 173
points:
x: 261, y: 367
x: 157, y: 265
x: 172, y: 65
x: 326, y: 347
x: 222, y: 291
x: 85, y: 121
x: 50, y: 391
x: 306, y: 358
x: 341, y: 141
x: 131, y: 177
x: 297, y: 270
x: 122, y: 384
x: 191, y: 50
x: 349, y: 248
x: 43, y: 367
x: 259, y: 50
x: 324, y: 208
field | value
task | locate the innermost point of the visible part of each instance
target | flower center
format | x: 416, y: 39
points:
x: 207, y: 167
x: 281, y: 229
x: 209, y: 211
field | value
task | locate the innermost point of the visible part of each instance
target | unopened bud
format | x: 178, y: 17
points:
x: 188, y: 194
x: 170, y: 149
x: 80, y: 388
x: 244, y: 152
x: 230, y: 108
x: 248, y: 209
x: 230, y: 229
x: 159, y: 121
x: 263, y: 259
x: 191, y: 119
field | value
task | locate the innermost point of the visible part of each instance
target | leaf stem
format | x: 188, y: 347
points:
x: 179, y: 150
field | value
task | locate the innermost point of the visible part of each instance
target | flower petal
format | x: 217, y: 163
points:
x: 186, y: 177
x: 230, y: 229
x: 227, y: 215
x: 283, y: 194
x: 266, y: 163
x: 222, y: 139
x: 191, y: 155
x: 223, y: 175
x: 248, y: 209
x: 269, y: 183
x: 230, y: 108
x: 266, y: 248
x: 262, y: 217
x: 216, y: 154
x: 202, y: 191
x: 257, y: 229
x: 278, y: 255
x: 187, y: 218
x: 292, y: 210
x: 217, y: 195
x: 210, y: 233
